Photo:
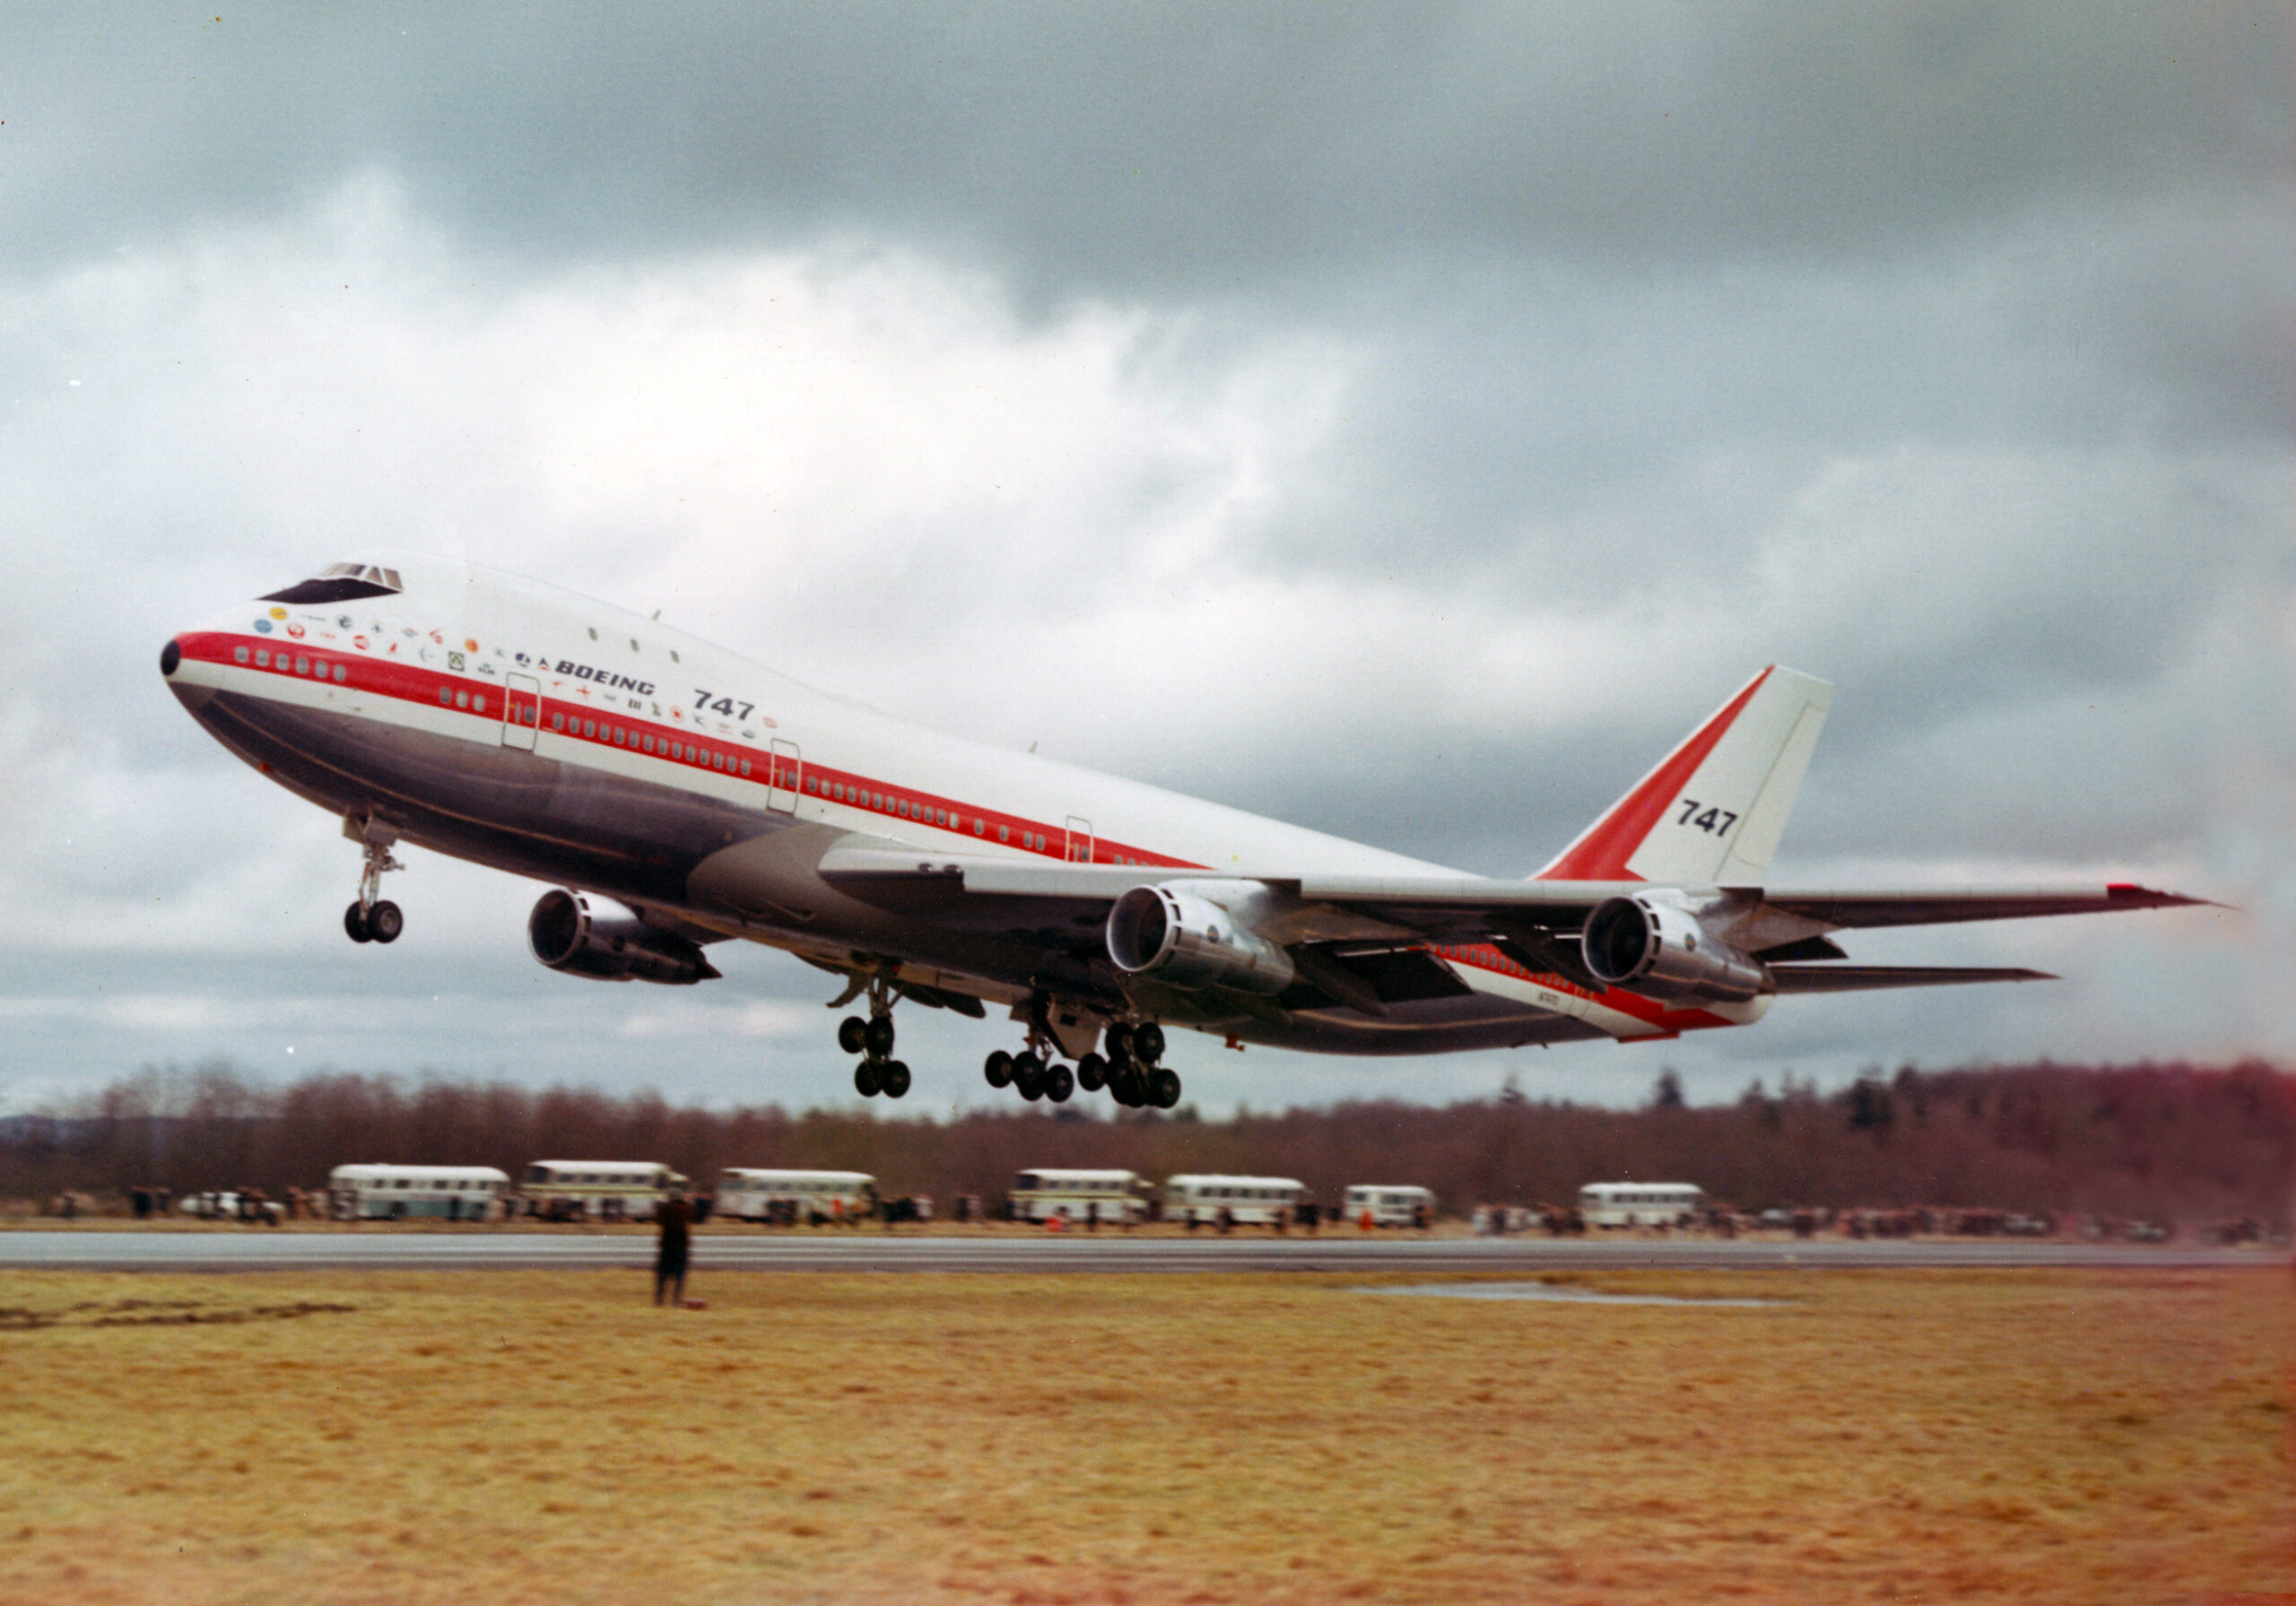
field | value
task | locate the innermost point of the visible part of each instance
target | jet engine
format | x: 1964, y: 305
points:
x: 1653, y: 944
x: 1185, y: 935
x: 565, y: 936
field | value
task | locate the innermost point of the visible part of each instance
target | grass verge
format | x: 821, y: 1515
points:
x: 548, y: 1436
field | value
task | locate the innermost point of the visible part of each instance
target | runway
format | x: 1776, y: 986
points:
x: 255, y: 1249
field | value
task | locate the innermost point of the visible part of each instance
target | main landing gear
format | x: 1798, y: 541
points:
x: 374, y: 919
x: 873, y: 1039
x: 1129, y: 1071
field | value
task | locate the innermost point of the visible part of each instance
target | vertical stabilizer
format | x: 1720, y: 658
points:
x: 1710, y: 814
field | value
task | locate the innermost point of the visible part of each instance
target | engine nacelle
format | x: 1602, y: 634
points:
x: 1185, y: 934
x: 1652, y: 944
x: 566, y: 937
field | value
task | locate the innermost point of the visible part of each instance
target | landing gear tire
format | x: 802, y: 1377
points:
x: 893, y: 1079
x: 1058, y: 1084
x: 849, y: 1032
x: 1125, y: 1085
x: 355, y: 925
x: 1163, y: 1088
x: 1028, y: 1077
x: 865, y: 1079
x: 998, y: 1069
x: 1147, y: 1042
x: 877, y: 1037
x: 1091, y: 1073
x: 384, y: 922
x: 1118, y: 1041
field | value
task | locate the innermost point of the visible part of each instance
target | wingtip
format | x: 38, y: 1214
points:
x: 2129, y: 895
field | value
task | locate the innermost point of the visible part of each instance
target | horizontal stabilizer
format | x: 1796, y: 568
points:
x: 1864, y: 978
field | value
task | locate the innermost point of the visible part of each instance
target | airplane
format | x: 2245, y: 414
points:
x: 507, y: 721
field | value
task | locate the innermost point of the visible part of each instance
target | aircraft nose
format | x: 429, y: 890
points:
x: 171, y: 655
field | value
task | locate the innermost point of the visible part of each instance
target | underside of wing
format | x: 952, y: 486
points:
x: 1843, y: 910
x: 1863, y: 978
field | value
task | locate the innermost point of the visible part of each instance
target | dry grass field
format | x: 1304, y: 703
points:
x: 549, y: 1437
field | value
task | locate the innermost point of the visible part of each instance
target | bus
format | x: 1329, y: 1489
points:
x: 395, y: 1192
x: 752, y: 1195
x: 1112, y: 1196
x: 596, y: 1190
x: 1640, y: 1203
x: 1389, y: 1205
x: 1249, y: 1201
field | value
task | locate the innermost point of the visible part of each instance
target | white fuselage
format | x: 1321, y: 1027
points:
x: 537, y: 730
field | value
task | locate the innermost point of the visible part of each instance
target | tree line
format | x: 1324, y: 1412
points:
x: 2183, y: 1141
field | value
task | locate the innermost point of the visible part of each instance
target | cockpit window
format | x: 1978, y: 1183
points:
x: 342, y: 583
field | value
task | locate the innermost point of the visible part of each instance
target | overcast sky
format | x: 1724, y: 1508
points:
x: 1407, y: 420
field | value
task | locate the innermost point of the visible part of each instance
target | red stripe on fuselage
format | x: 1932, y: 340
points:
x: 395, y: 678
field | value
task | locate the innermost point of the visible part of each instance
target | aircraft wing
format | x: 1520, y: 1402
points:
x: 1841, y: 910
x: 1534, y: 922
x: 1864, y: 979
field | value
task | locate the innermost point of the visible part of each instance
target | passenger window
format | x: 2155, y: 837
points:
x: 478, y: 703
x: 262, y: 659
x: 340, y: 674
x: 462, y: 699
x: 1004, y: 833
x: 557, y: 721
x: 240, y: 655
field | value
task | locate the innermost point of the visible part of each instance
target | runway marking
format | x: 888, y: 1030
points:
x: 1563, y: 1295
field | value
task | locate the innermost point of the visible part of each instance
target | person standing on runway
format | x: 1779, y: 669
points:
x: 674, y: 1215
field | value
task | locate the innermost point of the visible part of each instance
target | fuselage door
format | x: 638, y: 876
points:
x: 521, y: 711
x: 1080, y: 841
x: 783, y: 781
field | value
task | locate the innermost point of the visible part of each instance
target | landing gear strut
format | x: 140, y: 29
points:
x: 373, y: 918
x: 873, y: 1039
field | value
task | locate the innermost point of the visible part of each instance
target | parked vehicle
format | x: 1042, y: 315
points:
x: 596, y: 1190
x: 396, y: 1192
x: 1248, y: 1200
x: 787, y: 1197
x: 1640, y: 1203
x: 1110, y: 1196
x: 1390, y: 1204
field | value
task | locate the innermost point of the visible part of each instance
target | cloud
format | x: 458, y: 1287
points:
x: 1166, y: 152
x: 1407, y: 423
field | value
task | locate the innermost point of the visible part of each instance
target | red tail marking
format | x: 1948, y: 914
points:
x: 1601, y: 854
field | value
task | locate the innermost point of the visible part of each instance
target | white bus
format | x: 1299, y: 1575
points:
x: 1249, y: 1201
x: 1389, y: 1205
x: 1640, y: 1203
x: 751, y: 1194
x: 602, y: 1190
x: 1111, y: 1196
x: 395, y: 1192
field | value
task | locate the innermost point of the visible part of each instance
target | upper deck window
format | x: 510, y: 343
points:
x: 342, y: 583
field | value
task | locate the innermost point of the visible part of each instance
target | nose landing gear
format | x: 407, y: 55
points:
x: 372, y: 918
x: 873, y: 1039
